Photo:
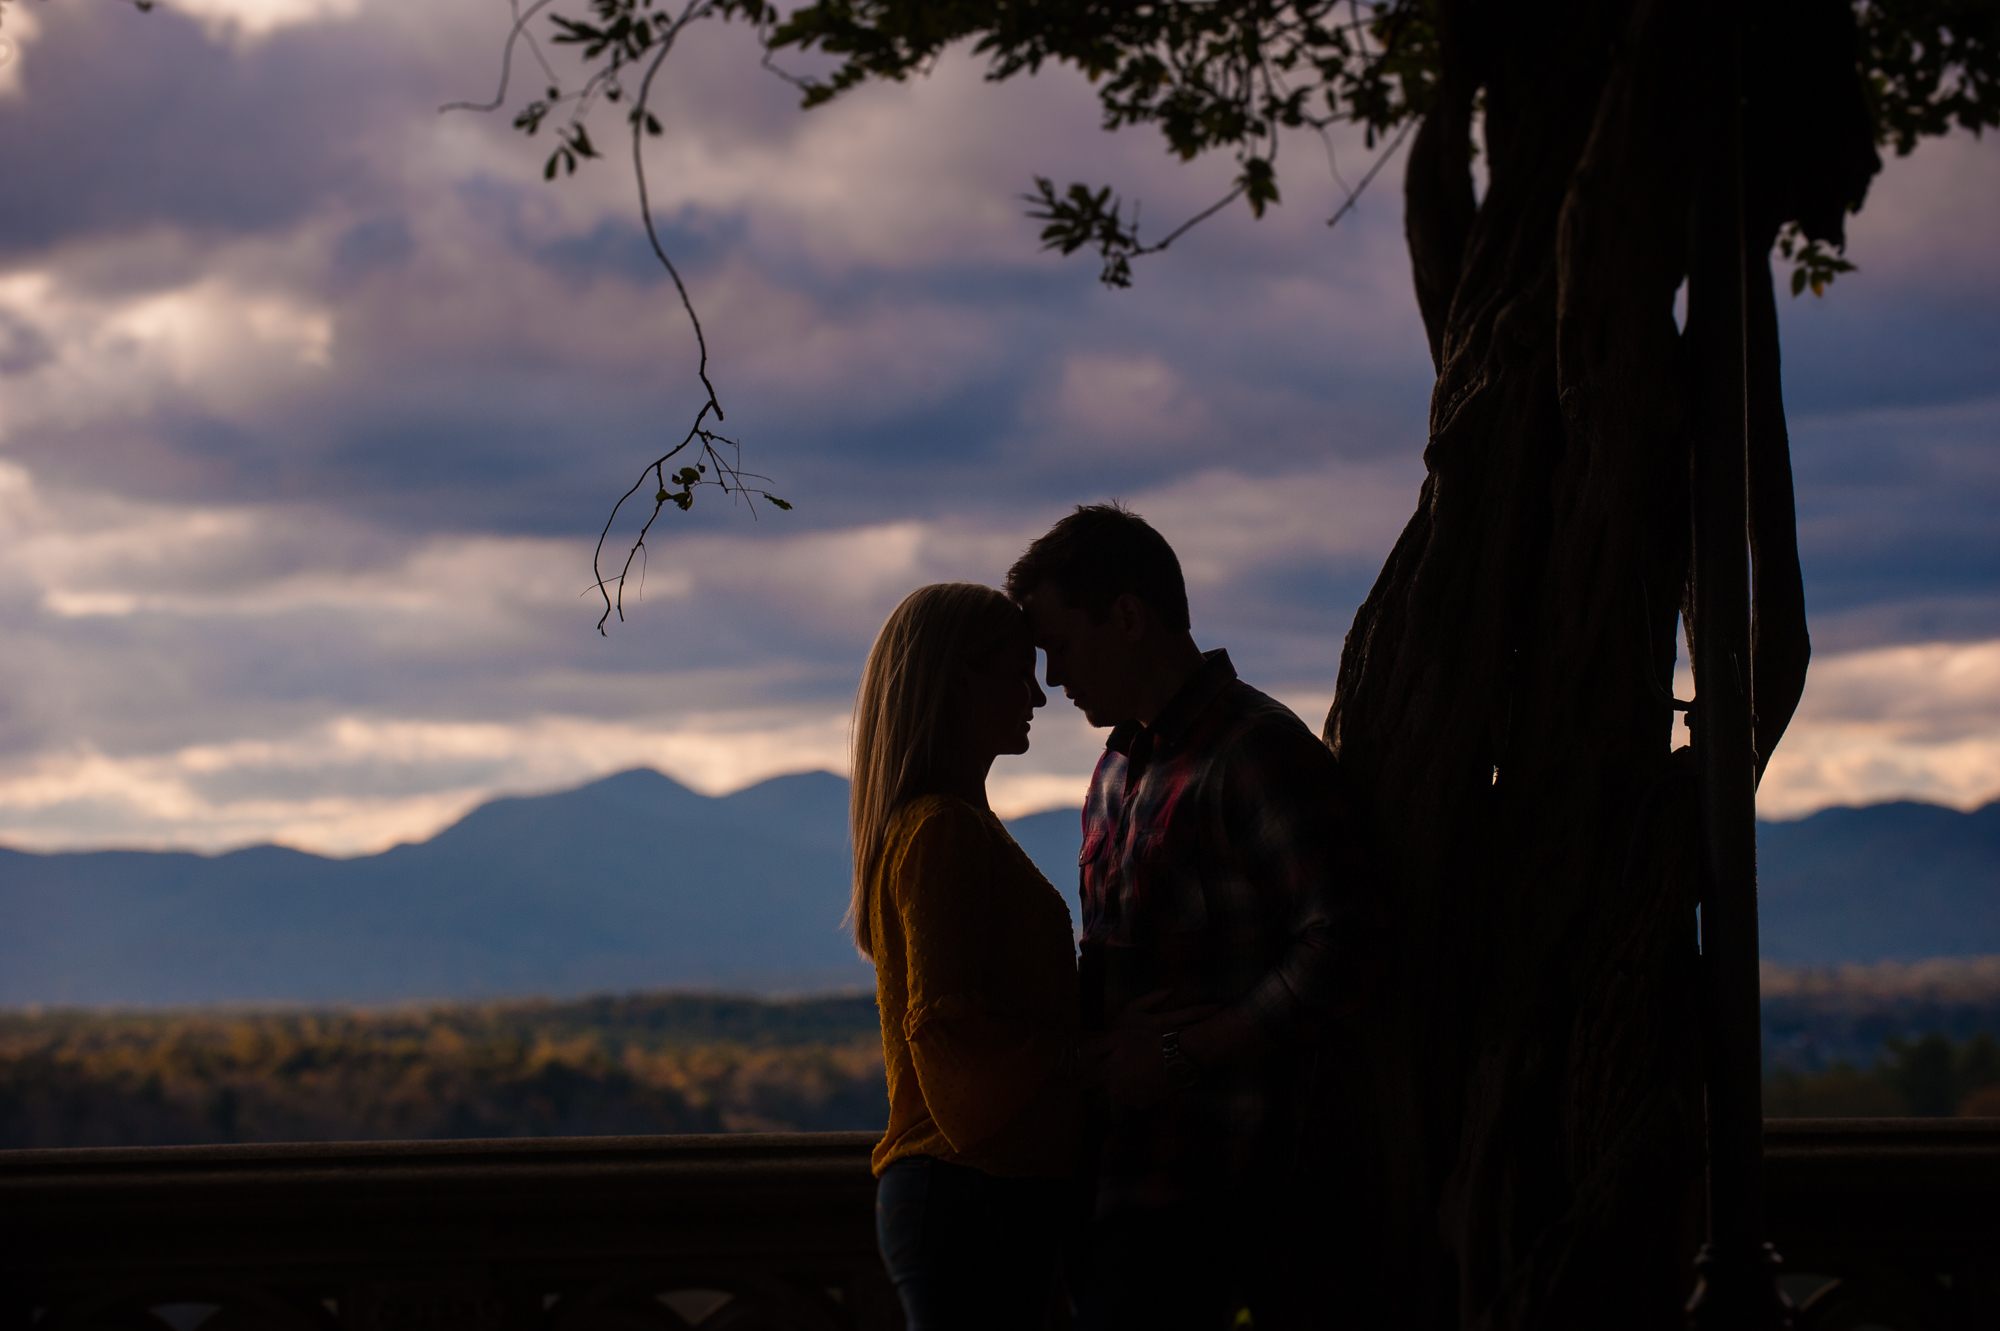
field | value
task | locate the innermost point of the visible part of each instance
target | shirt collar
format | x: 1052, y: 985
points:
x: 1210, y: 678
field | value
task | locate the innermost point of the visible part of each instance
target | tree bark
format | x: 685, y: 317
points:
x: 1437, y: 182
x: 1530, y: 1076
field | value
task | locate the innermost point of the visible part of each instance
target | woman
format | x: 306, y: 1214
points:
x: 975, y: 972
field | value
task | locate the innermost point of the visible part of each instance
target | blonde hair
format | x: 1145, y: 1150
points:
x: 900, y: 713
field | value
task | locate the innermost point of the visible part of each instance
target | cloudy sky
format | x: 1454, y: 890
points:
x: 312, y: 400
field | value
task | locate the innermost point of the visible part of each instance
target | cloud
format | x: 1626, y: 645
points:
x: 83, y: 357
x: 1896, y: 522
x: 1926, y: 221
x: 207, y: 676
x: 422, y: 334
x: 1913, y: 326
x: 1910, y: 722
x: 94, y: 557
x: 312, y: 400
x: 122, y: 120
x: 1129, y: 402
x: 245, y: 22
x: 356, y: 784
x: 18, y: 34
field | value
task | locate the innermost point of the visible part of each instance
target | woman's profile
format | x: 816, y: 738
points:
x: 974, y: 963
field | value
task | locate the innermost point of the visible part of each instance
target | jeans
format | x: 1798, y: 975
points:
x: 967, y: 1249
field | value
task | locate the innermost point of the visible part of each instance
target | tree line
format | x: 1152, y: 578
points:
x: 609, y: 1065
x: 1931, y: 1076
x: 640, y: 1064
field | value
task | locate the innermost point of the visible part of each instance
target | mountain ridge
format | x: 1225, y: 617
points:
x: 635, y: 882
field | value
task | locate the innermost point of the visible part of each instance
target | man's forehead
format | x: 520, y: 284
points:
x: 1045, y: 606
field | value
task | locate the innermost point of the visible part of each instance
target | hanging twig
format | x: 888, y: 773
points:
x: 1381, y: 160
x: 629, y: 32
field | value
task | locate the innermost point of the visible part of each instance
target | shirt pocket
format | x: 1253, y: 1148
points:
x: 1166, y: 892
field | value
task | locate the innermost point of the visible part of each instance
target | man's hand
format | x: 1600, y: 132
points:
x: 1124, y: 1065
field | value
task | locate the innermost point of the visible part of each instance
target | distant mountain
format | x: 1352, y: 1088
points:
x: 631, y: 882
x: 1890, y: 882
x: 1052, y: 840
x: 636, y: 882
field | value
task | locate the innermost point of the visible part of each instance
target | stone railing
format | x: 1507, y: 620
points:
x: 1884, y: 1223
x: 738, y: 1233
x: 1887, y: 1222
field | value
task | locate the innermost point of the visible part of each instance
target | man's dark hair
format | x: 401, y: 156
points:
x: 1097, y: 554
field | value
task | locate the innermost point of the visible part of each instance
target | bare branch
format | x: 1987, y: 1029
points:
x: 514, y: 35
x: 1381, y: 160
x: 632, y: 32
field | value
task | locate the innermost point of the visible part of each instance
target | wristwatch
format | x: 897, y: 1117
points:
x: 1182, y: 1071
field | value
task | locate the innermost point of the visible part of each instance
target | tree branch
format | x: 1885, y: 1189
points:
x: 1780, y: 646
x: 627, y: 33
x: 1438, y: 199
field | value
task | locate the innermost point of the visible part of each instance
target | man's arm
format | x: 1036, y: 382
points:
x: 1288, y: 827
x: 1289, y: 823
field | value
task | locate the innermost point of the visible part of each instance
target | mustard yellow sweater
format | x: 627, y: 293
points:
x: 975, y: 975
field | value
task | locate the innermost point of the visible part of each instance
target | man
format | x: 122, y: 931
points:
x: 1220, y: 900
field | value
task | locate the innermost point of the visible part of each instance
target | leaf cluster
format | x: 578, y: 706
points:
x: 611, y: 39
x: 1813, y: 264
x: 1931, y: 65
x: 1210, y: 75
x: 1229, y: 74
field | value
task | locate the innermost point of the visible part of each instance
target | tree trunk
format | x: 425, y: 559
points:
x: 1530, y: 1076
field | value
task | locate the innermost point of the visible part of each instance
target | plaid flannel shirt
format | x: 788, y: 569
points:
x: 1217, y: 864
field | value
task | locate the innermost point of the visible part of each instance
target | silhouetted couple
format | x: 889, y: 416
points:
x: 1131, y: 1116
